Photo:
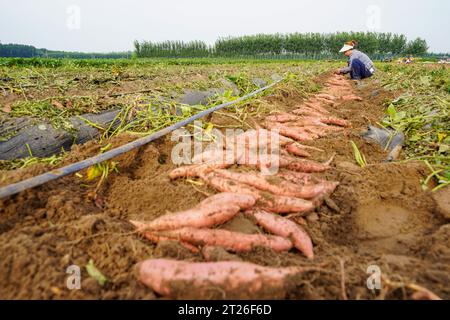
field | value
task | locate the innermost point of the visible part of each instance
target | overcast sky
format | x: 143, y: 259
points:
x: 113, y: 25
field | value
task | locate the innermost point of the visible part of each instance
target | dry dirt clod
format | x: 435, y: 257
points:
x: 172, y: 249
x: 312, y: 217
x: 331, y: 204
x: 6, y: 108
x: 215, y: 254
x: 442, y: 200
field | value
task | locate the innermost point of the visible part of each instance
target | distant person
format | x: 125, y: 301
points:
x: 360, y: 66
x: 409, y: 59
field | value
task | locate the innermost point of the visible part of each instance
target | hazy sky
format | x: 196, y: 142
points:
x: 102, y: 26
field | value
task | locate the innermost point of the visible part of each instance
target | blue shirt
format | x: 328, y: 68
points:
x: 356, y: 54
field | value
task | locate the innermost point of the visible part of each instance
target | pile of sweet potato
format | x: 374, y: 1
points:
x: 245, y: 189
x: 194, y: 228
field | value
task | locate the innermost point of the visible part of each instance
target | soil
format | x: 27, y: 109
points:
x: 383, y: 217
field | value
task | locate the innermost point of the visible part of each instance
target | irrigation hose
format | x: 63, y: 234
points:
x: 75, y: 167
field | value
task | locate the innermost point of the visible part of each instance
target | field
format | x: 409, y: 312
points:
x: 390, y: 214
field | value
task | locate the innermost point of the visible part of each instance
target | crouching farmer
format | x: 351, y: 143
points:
x: 360, y: 66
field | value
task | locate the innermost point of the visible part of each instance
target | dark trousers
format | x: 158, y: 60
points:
x: 359, y: 70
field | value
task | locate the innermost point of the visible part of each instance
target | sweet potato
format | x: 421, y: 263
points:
x: 285, y: 228
x: 319, y: 121
x: 292, y: 132
x: 308, y: 190
x: 319, y: 199
x: 316, y: 106
x: 276, y: 161
x: 252, y: 179
x: 309, y: 112
x: 304, y: 165
x: 227, y: 185
x: 336, y: 121
x: 227, y: 280
x: 212, y: 211
x: 291, y: 163
x: 283, y: 204
x: 247, y: 147
x: 306, y: 147
x: 284, y: 152
x: 302, y: 130
x: 229, y: 240
x: 256, y: 138
x: 296, y: 150
x: 305, y: 122
x: 244, y: 148
x: 282, y: 188
x: 195, y: 170
x: 326, y: 96
x: 328, y: 102
x: 300, y: 178
x: 228, y: 198
x: 329, y: 187
x: 351, y: 97
x: 260, y: 158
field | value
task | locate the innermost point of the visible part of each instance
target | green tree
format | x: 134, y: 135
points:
x: 398, y: 44
x: 417, y: 47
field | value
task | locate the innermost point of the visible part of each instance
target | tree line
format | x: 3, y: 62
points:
x: 27, y: 51
x: 172, y: 49
x: 305, y: 44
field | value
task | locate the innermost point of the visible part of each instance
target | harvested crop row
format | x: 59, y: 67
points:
x: 262, y: 198
x: 270, y: 161
x: 286, y: 195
